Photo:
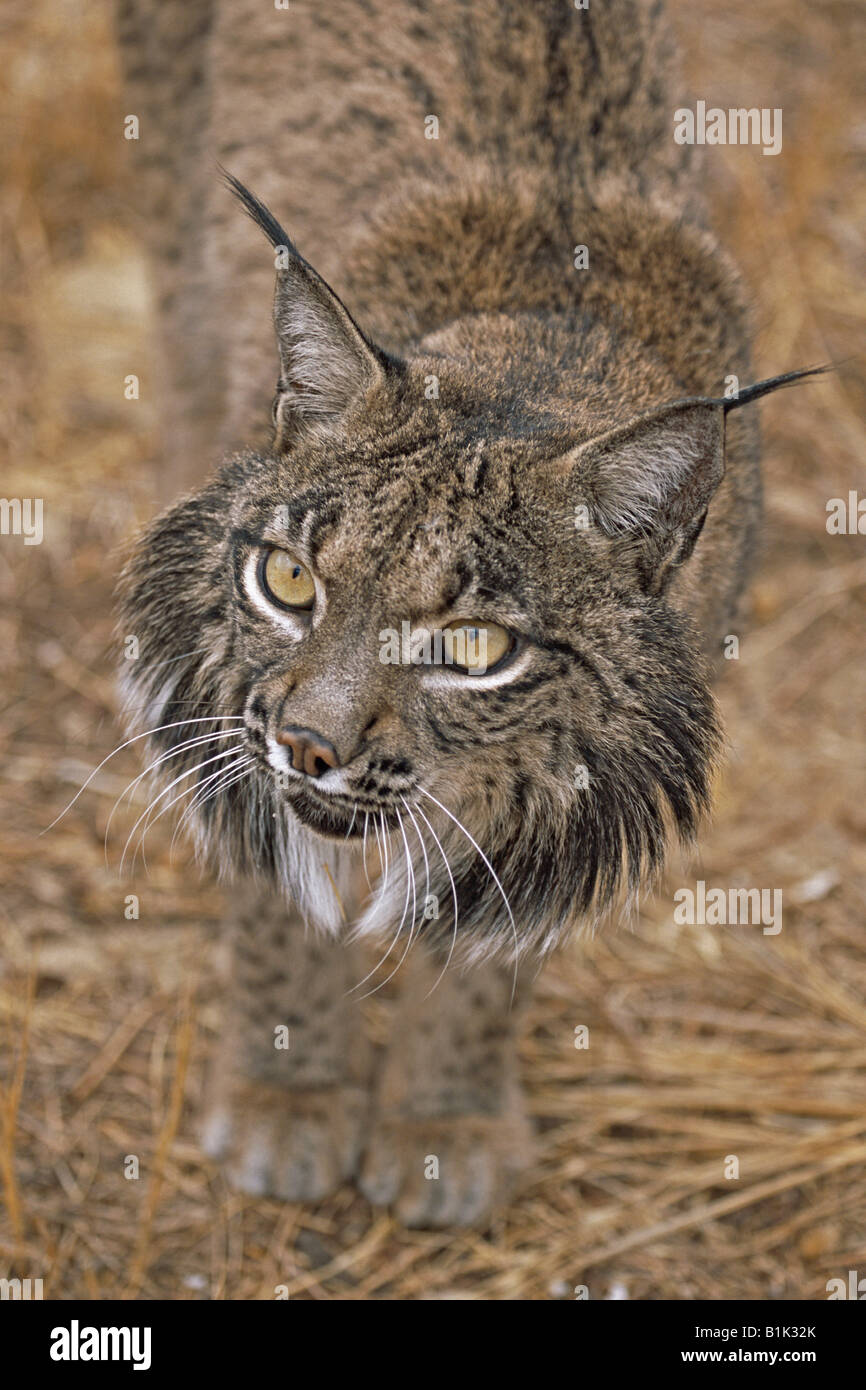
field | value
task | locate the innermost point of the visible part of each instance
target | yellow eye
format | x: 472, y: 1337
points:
x: 475, y: 647
x: 286, y: 581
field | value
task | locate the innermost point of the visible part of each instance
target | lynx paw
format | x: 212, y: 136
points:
x: 298, y: 1145
x: 452, y: 1171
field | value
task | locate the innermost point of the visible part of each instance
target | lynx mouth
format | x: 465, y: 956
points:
x: 332, y: 822
x: 335, y: 819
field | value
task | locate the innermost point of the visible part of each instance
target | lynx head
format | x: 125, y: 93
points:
x: 434, y: 617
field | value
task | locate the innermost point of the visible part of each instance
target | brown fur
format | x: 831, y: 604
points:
x: 558, y: 389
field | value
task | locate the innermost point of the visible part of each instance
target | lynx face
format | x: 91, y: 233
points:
x: 524, y: 786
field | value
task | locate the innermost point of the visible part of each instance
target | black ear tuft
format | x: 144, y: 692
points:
x: 326, y: 363
x: 772, y: 383
x: 260, y: 214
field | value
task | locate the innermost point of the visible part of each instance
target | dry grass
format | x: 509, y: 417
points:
x: 705, y: 1042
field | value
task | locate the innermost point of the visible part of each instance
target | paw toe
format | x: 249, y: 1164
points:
x: 295, y: 1145
x: 451, y: 1173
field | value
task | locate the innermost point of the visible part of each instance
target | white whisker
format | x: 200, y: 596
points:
x: 410, y: 880
x: 383, y: 863
x: 190, y: 773
x: 378, y: 841
x: 492, y: 873
x: 423, y: 847
x: 386, y: 862
x: 453, y: 894
x: 201, y: 795
x: 164, y: 757
x: 178, y: 723
x: 185, y: 791
x: 396, y: 936
x: 364, y: 849
x: 229, y: 781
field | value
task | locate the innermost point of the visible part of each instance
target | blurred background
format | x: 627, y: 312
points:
x: 705, y: 1042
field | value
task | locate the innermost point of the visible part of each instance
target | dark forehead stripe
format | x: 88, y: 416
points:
x: 321, y: 522
x: 242, y: 537
x: 288, y: 518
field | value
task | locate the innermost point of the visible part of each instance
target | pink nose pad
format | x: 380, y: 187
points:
x: 310, y: 752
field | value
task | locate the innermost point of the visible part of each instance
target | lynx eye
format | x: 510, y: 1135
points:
x: 475, y: 647
x: 286, y: 581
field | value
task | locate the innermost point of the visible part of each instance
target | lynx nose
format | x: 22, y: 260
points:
x: 310, y: 752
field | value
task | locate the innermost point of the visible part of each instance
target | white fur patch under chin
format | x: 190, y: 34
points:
x: 388, y: 903
x: 317, y: 875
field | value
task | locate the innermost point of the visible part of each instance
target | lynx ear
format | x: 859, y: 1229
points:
x: 326, y: 363
x: 649, y: 482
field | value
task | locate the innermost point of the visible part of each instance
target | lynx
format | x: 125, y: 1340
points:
x: 507, y: 424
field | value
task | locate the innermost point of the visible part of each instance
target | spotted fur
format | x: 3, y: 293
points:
x: 558, y: 394
x: 466, y: 425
